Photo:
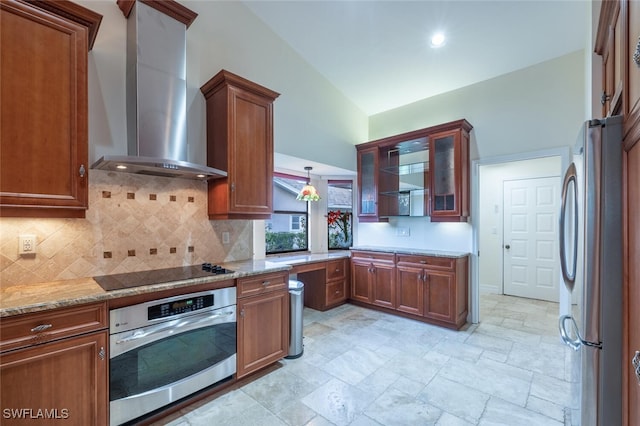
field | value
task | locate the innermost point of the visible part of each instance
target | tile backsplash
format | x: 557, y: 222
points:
x: 134, y: 223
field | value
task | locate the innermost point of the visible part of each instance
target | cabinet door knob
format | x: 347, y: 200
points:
x: 507, y: 246
x: 82, y: 170
x: 242, y: 312
x: 604, y: 98
x: 102, y: 353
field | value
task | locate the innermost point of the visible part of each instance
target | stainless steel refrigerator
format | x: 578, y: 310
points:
x: 591, y: 263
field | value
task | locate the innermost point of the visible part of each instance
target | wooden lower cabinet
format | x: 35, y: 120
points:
x: 439, y: 296
x: 432, y: 289
x: 263, y: 322
x: 373, y: 278
x: 383, y: 285
x: 410, y: 290
x: 325, y: 283
x: 51, y: 380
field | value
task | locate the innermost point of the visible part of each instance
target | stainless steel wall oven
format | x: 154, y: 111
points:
x: 164, y: 350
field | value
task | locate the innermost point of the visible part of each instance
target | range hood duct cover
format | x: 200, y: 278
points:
x: 156, y: 99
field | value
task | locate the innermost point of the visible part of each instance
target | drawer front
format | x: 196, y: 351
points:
x: 258, y: 284
x: 428, y: 261
x: 373, y: 255
x: 336, y: 292
x: 30, y: 329
x: 336, y: 269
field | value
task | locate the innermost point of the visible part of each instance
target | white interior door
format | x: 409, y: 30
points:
x: 530, y: 255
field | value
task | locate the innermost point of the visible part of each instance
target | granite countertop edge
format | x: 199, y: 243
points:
x: 37, y: 297
x: 415, y: 251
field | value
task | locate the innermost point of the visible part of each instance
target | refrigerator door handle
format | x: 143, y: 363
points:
x: 578, y: 341
x: 569, y: 276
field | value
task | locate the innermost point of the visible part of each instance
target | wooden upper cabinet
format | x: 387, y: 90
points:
x: 43, y: 108
x: 424, y: 172
x: 633, y: 55
x: 240, y: 142
x: 368, y: 175
x: 609, y: 45
x: 449, y: 169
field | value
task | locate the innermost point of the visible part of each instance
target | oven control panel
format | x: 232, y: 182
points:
x: 181, y: 306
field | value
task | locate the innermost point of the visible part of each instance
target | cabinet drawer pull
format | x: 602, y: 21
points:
x: 40, y: 328
x: 635, y: 362
x: 266, y: 283
x: 102, y: 353
x: 423, y: 261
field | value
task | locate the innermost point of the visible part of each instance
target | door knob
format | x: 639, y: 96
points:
x: 507, y: 246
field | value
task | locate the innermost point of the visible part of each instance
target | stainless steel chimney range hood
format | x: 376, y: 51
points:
x: 156, y: 93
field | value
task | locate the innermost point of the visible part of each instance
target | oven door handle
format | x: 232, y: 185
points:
x: 171, y: 325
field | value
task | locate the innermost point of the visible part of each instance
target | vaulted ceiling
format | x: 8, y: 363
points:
x: 379, y: 54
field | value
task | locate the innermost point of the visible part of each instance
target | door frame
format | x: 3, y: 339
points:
x: 474, y: 293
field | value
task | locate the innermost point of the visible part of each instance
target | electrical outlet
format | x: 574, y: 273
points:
x: 225, y: 238
x: 403, y: 232
x: 27, y: 244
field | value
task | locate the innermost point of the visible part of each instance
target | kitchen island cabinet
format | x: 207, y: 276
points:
x: 263, y: 321
x: 53, y: 367
x: 44, y: 108
x: 240, y: 142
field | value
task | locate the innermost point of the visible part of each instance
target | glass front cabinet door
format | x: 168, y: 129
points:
x: 449, y: 163
x: 368, y: 184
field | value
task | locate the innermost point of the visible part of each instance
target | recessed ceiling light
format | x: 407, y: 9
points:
x: 437, y: 40
x: 200, y: 176
x: 121, y: 166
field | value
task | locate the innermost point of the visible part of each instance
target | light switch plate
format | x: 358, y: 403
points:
x: 26, y: 244
x: 225, y: 238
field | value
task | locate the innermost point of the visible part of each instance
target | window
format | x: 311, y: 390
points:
x: 286, y: 231
x: 296, y: 223
x: 340, y: 214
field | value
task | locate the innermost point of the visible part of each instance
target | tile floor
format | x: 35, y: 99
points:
x: 363, y: 367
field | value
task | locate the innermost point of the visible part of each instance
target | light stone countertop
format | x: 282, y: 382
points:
x: 416, y: 251
x: 27, y: 298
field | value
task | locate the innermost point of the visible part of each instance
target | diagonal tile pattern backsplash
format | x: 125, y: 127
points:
x: 134, y: 223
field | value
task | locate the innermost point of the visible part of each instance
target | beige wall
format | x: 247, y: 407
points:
x: 491, y: 214
x: 536, y: 108
x: 530, y: 110
x: 128, y: 225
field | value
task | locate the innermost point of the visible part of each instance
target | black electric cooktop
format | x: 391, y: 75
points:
x: 159, y: 276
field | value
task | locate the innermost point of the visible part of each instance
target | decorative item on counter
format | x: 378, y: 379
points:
x: 339, y: 229
x: 308, y: 192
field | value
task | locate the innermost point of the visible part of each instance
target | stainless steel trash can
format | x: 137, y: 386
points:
x: 296, y: 303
